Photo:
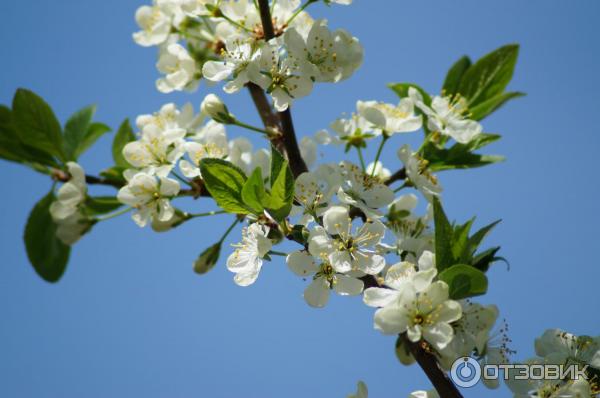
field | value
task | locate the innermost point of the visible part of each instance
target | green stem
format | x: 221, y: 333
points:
x: 231, y: 227
x: 401, y: 187
x: 231, y: 21
x: 180, y: 178
x: 308, y: 2
x: 384, y: 138
x: 113, y: 215
x: 207, y: 214
x: 251, y: 128
x: 362, y: 159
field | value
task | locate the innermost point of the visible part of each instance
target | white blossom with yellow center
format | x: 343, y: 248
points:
x: 345, y: 250
x: 150, y: 196
x: 421, y: 315
x: 449, y: 117
x: 324, y: 279
x: 388, y: 118
x: 247, y: 259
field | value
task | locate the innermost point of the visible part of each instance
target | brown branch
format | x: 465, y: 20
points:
x: 290, y: 143
x: 427, y: 361
x: 399, y: 175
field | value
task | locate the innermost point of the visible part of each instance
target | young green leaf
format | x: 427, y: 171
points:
x: 459, y: 156
x: 490, y: 105
x: 443, y: 237
x: 47, y: 254
x: 123, y: 137
x: 455, y: 75
x: 464, y: 281
x: 253, y: 192
x: 13, y: 149
x: 224, y: 182
x: 401, y: 89
x: 37, y: 125
x: 208, y: 259
x: 94, y: 131
x: 277, y: 161
x: 489, y: 76
x: 282, y: 193
x: 76, y: 129
x: 102, y: 204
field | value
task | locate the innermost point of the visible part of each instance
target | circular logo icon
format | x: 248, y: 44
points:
x: 465, y: 372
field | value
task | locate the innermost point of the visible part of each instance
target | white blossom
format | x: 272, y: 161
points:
x: 324, y: 279
x: 314, y: 190
x: 155, y: 24
x: 216, y: 109
x: 377, y: 170
x: 179, y: 69
x: 150, y: 196
x: 418, y: 174
x: 209, y: 142
x: 169, y: 117
x: 424, y: 394
x: 284, y: 82
x: 344, y: 249
x: 66, y: 210
x: 398, y: 276
x: 157, y: 150
x: 449, y: 118
x: 308, y: 150
x: 70, y: 195
x: 389, y: 119
x: 360, y: 190
x: 324, y: 55
x: 247, y: 259
x: 422, y: 315
x: 240, y: 61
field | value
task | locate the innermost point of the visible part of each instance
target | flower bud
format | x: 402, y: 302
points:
x: 216, y: 109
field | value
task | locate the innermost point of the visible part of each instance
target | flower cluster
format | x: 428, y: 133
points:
x: 225, y: 41
x: 357, y: 234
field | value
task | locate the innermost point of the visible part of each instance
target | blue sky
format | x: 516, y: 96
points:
x: 130, y: 318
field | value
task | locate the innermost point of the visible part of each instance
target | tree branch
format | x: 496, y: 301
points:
x: 427, y: 361
x: 399, y: 175
x: 290, y: 143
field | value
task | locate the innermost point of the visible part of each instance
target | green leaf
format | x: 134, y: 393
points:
x: 94, y: 132
x: 13, y: 149
x: 114, y: 174
x: 479, y: 236
x: 459, y: 156
x: 76, y: 129
x: 208, y: 259
x: 102, y: 204
x: 443, y: 237
x: 36, y: 124
x: 464, y: 281
x: 253, y: 192
x: 277, y: 161
x: 47, y: 254
x: 483, y: 260
x: 282, y: 190
x: 460, y: 239
x: 492, y: 104
x: 489, y: 76
x: 455, y: 75
x: 224, y: 182
x: 482, y: 140
x: 401, y: 89
x: 123, y: 137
